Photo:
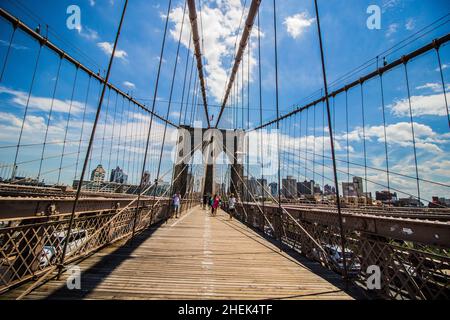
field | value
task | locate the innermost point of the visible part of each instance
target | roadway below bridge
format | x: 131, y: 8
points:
x: 196, y: 256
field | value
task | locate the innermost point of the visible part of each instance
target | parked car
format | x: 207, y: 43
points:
x: 335, y: 254
x: 55, y: 245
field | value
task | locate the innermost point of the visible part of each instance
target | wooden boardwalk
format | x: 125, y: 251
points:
x: 195, y: 257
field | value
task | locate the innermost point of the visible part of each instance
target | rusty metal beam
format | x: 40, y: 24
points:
x: 16, y: 23
x: 435, y: 44
x: 252, y: 12
x: 31, y: 208
x: 434, y: 233
x: 198, y: 54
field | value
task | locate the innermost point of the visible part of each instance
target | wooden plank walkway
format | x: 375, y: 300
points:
x: 195, y: 257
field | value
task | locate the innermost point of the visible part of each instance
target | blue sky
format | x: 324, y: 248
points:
x: 348, y: 43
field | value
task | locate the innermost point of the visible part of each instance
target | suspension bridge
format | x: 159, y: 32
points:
x: 88, y: 175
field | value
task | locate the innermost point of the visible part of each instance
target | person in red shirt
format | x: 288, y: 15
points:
x: 215, y: 205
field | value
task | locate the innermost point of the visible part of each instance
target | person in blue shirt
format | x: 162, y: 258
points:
x: 231, y: 206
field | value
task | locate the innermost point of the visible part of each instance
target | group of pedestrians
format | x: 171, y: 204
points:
x: 213, y: 203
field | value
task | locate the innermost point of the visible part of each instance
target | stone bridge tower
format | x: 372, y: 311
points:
x: 211, y: 143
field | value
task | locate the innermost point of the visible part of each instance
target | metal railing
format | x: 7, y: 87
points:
x: 414, y: 260
x: 32, y: 248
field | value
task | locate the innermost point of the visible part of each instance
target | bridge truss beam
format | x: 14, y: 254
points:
x: 254, y: 7
x: 198, y: 54
x: 435, y: 44
x: 45, y: 42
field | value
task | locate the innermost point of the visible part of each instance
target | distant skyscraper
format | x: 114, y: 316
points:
x: 385, y: 196
x: 263, y: 187
x: 98, y: 174
x: 329, y: 190
x: 353, y: 189
x: 358, y: 186
x: 273, y: 189
x: 305, y: 187
x: 317, y: 189
x: 118, y: 176
x: 146, y: 179
x: 289, y: 187
x: 348, y: 189
x: 253, y: 187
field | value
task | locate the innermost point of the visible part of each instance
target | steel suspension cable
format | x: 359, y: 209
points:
x: 8, y: 52
x: 385, y: 137
x: 91, y: 140
x: 151, y: 118
x: 49, y: 117
x: 26, y: 111
x: 82, y: 126
x: 364, y: 132
x: 185, y: 78
x: 113, y: 131
x: 260, y: 109
x: 412, y: 129
x: 276, y: 102
x: 347, y: 137
x: 443, y: 83
x: 325, y: 83
x: 104, y: 125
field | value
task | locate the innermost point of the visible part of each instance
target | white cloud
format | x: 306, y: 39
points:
x: 88, y: 33
x: 107, y: 48
x: 421, y: 105
x: 444, y: 66
x: 298, y: 23
x: 391, y: 30
x: 388, y: 4
x: 175, y: 114
x: 158, y: 58
x: 400, y: 134
x: 410, y: 24
x: 220, y: 20
x: 129, y: 85
x: 13, y: 45
x: 42, y: 103
x: 436, y: 87
x: 92, y: 3
x: 133, y: 131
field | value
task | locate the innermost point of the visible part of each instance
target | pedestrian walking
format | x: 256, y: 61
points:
x: 176, y: 201
x: 215, y: 204
x: 231, y: 206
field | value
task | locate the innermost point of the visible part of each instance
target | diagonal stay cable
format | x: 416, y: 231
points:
x: 287, y: 213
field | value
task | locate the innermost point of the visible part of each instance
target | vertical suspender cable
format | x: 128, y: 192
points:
x: 49, y: 117
x: 385, y: 138
x: 347, y: 138
x: 105, y: 124
x: 113, y: 131
x: 184, y: 81
x: 364, y: 132
x: 14, y: 169
x: 443, y: 84
x: 82, y: 127
x: 276, y: 104
x: 323, y: 151
x: 248, y: 106
x: 8, y: 52
x: 412, y: 130
x: 68, y: 122
x: 260, y: 109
